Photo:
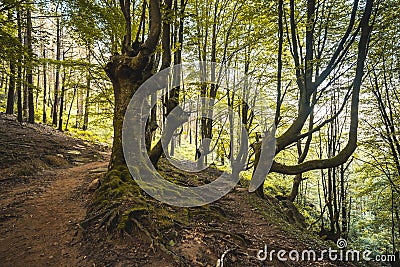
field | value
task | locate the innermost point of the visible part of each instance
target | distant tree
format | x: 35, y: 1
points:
x: 29, y: 68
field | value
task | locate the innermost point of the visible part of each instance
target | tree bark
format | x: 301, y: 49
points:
x: 57, y: 81
x: 11, y: 89
x: 11, y: 84
x: 44, y: 87
x: 173, y: 95
x: 127, y: 72
x: 19, y: 70
x: 29, y: 75
x: 60, y: 120
x: 87, y: 99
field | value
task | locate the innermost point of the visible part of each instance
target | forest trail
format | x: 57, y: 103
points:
x: 43, y: 230
x: 45, y: 176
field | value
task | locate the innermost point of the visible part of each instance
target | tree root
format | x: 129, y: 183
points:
x: 238, y: 236
x: 84, y: 224
x: 156, y: 242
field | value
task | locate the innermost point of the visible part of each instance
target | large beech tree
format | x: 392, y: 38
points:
x: 130, y: 68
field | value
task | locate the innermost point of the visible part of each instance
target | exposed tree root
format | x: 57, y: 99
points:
x: 122, y: 207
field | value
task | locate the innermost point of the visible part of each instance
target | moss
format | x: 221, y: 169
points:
x: 126, y: 176
x: 122, y: 200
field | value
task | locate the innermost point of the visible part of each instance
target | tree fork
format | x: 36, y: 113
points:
x: 127, y: 72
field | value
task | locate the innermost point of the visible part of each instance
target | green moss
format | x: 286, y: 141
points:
x: 122, y: 200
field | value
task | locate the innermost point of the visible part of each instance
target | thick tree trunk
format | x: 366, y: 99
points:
x: 127, y: 72
x: 124, y: 89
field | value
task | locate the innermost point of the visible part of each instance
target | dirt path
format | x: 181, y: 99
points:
x: 38, y: 226
x: 44, y: 178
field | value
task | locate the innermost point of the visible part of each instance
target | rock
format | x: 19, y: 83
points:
x: 57, y: 161
x: 99, y: 170
x: 74, y: 152
x: 82, y: 160
x: 94, y: 185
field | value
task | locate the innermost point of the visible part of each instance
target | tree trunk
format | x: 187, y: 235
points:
x: 60, y: 121
x: 172, y: 98
x: 87, y: 102
x: 29, y: 75
x: 11, y: 90
x: 44, y: 86
x: 295, y: 188
x: 11, y: 84
x: 79, y: 109
x: 127, y: 72
x: 124, y: 88
x: 343, y: 196
x: 19, y: 70
x: 70, y: 108
x: 25, y: 93
x: 2, y: 78
x: 37, y: 92
x: 57, y: 81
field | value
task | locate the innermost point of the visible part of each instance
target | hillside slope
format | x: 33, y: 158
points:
x: 44, y: 220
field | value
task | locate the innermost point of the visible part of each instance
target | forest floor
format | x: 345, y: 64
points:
x: 46, y: 179
x: 44, y: 176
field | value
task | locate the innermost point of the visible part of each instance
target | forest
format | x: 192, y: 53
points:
x: 198, y: 132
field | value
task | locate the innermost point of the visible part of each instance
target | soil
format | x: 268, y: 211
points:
x: 45, y: 193
x: 44, y: 175
x: 39, y: 225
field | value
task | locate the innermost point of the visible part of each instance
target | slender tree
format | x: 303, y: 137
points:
x: 87, y: 97
x: 57, y: 78
x: 19, y: 70
x: 11, y: 89
x: 29, y: 75
x: 44, y: 86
